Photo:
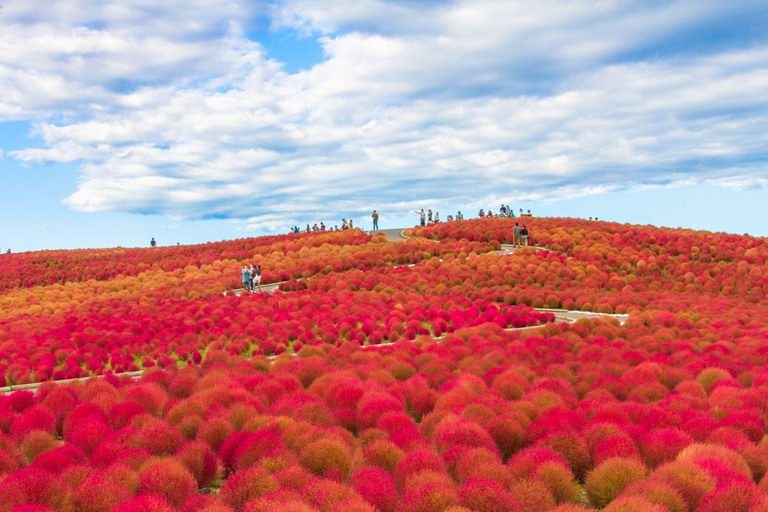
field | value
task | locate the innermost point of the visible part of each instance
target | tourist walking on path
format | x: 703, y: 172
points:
x: 251, y: 277
x: 524, y: 235
x: 246, y: 278
x: 375, y: 217
x: 516, y: 235
x: 257, y: 277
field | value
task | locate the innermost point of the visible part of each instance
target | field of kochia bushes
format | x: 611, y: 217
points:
x: 391, y: 377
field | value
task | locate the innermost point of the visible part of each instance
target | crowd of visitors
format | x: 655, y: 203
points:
x: 426, y: 218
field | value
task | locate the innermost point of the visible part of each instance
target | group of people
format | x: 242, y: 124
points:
x: 519, y: 236
x: 345, y: 224
x: 251, y: 278
x: 428, y: 218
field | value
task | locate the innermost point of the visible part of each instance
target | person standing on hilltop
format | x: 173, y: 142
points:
x: 422, y: 216
x: 375, y: 217
x: 429, y: 215
x: 152, y: 242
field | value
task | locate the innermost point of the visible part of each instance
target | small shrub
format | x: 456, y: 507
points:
x: 484, y: 495
x: 559, y: 480
x: 98, y: 494
x: 199, y: 459
x: 146, y: 503
x: 733, y: 496
x: 327, y: 495
x: 215, y: 431
x: 168, y: 478
x: 616, y: 446
x: 633, y: 504
x: 700, y: 452
x: 573, y: 449
x: 658, y: 492
x: 244, y: 486
x: 606, y: 481
x: 532, y: 495
x: 87, y: 435
x: 662, y: 446
x: 525, y: 462
x: 37, y: 442
x: 414, y: 462
x: 377, y: 487
x: 325, y: 455
x: 452, y: 431
x: 59, y: 458
x: 384, y: 454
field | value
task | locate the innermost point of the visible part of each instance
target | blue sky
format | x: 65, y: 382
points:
x: 195, y: 122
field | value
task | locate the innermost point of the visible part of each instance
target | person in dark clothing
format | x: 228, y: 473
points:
x: 524, y: 236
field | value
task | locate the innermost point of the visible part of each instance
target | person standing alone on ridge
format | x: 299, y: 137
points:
x: 375, y: 217
x: 152, y: 242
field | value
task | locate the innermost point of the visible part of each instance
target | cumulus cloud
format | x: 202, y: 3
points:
x: 175, y: 111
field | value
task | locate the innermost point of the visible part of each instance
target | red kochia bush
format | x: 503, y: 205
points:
x: 607, y: 480
x: 244, y: 486
x: 452, y: 431
x: 168, y: 478
x: 200, y: 460
x: 525, y: 462
x: 152, y: 503
x: 326, y: 456
x: 34, y: 418
x: 377, y: 487
x: 417, y: 461
x: 374, y: 405
x: 59, y: 458
x: 88, y: 434
x: 98, y: 494
x: 483, y: 495
x: 733, y: 496
x: 33, y: 486
x: 215, y: 431
x: 663, y: 445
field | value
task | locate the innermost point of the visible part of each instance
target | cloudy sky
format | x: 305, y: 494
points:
x: 202, y: 120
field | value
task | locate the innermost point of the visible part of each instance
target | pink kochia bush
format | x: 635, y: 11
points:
x: 395, y: 388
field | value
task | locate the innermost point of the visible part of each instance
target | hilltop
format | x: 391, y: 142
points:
x: 604, y: 366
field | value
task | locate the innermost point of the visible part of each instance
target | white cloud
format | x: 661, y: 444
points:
x: 173, y: 111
